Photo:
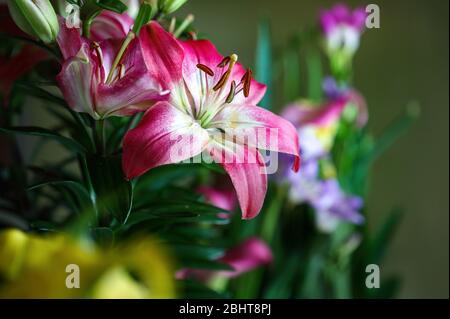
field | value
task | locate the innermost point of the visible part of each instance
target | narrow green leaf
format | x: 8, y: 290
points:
x: 291, y: 72
x: 314, y: 69
x: 395, y: 130
x: 114, y: 193
x: 263, y: 68
x: 144, y: 15
x: 383, y: 237
x: 112, y: 5
x: 42, y: 132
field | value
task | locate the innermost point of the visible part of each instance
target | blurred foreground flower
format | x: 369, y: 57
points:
x: 212, y: 106
x: 34, y: 266
x: 36, y: 18
x: 250, y: 254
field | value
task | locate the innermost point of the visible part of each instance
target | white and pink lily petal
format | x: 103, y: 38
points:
x: 212, y: 110
x: 90, y: 84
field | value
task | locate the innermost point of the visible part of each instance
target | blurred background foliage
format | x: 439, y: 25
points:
x: 405, y: 60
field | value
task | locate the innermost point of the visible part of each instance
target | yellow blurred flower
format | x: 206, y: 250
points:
x: 54, y: 266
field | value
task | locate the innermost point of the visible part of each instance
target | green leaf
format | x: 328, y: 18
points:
x: 42, y: 132
x: 314, y: 68
x: 395, y: 130
x: 112, y: 5
x: 104, y: 236
x: 195, y: 290
x: 33, y: 90
x: 197, y: 252
x: 144, y: 15
x: 206, y: 264
x: 312, y: 284
x: 383, y: 237
x: 263, y: 69
x: 12, y: 220
x: 83, y: 200
x: 44, y: 226
x: 114, y: 193
x: 291, y: 72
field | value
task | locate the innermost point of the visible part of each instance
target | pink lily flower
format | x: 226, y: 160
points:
x: 221, y: 198
x: 212, y: 106
x: 110, y: 25
x: 87, y: 80
x: 249, y: 255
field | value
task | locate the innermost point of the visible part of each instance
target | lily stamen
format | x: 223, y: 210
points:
x: 98, y: 51
x: 232, y: 93
x: 205, y: 69
x: 224, y: 78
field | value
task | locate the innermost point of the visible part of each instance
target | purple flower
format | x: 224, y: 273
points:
x: 342, y: 27
x: 333, y: 205
x: 327, y: 198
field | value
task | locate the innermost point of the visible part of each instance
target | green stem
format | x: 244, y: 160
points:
x: 130, y: 36
x: 272, y: 215
x: 186, y: 22
x: 87, y: 23
x: 99, y: 135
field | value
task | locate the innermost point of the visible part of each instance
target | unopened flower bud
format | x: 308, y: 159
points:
x: 36, y: 18
x: 170, y: 6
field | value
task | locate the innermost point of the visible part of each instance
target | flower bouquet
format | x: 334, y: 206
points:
x: 159, y: 168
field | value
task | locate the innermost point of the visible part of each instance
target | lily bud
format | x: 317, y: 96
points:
x: 36, y: 18
x: 170, y: 6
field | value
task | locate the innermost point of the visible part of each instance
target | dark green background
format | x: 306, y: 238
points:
x: 405, y: 60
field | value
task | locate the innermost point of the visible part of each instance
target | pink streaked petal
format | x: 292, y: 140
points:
x: 76, y: 80
x: 162, y: 54
x: 269, y: 131
x: 165, y: 135
x: 110, y: 25
x: 135, y: 91
x: 204, y: 52
x: 247, y: 256
x: 304, y: 113
x: 247, y: 172
x: 221, y: 198
x: 69, y: 40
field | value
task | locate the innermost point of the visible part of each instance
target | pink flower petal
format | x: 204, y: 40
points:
x: 135, y: 92
x: 221, y: 198
x: 110, y: 25
x: 165, y: 135
x: 270, y: 131
x: 76, y: 81
x: 162, y: 55
x: 204, y: 52
x: 247, y: 171
x: 303, y: 113
x: 69, y: 40
x: 249, y: 255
